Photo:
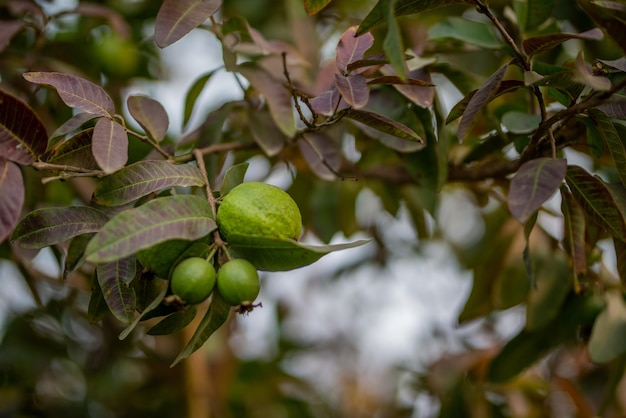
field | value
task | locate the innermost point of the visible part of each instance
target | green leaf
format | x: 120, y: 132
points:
x: 193, y: 93
x: 534, y: 183
x: 611, y: 138
x: 234, y: 176
x: 594, y: 196
x: 574, y: 226
x: 153, y: 305
x: 142, y: 178
x: 174, y: 322
x: 161, y: 257
x: 48, y: 226
x: 393, y: 44
x: 172, y: 217
x: 275, y: 254
x: 215, y: 316
x: 97, y: 308
x: 114, y: 279
x: 313, y: 7
x: 520, y: 122
x: 546, y: 298
x: 76, y: 254
x: 532, y: 13
x: 402, y: 8
x: 471, y: 32
x: 608, y: 336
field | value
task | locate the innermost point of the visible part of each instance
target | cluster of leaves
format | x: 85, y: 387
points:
x: 511, y: 141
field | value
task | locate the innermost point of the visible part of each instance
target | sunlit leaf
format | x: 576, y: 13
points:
x: 353, y: 89
x: 478, y: 100
x: 607, y: 339
x: 12, y: 192
x: 142, y: 178
x: 383, y: 124
x: 594, y: 196
x: 275, y: 254
x: 47, y: 226
x: 114, y: 279
x: 313, y: 7
x: 76, y: 92
x: 176, y: 18
x: 401, y: 8
x: 75, y: 151
x: 539, y: 44
x: 215, y: 316
x: 185, y: 217
x: 23, y: 136
x: 351, y: 48
x: 109, y: 145
x: 277, y: 96
x: 150, y: 114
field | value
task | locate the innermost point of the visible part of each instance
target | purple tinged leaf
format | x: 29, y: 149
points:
x: 7, y: 31
x: 76, y: 92
x: 619, y: 63
x: 109, y: 145
x: 574, y: 226
x: 277, y: 96
x: 482, y: 96
x: 582, y: 74
x: 319, y: 151
x: 23, y: 137
x: 383, y: 124
x: 265, y: 132
x: 598, y: 201
x: 185, y: 217
x: 142, y: 178
x: 114, y: 279
x: 75, y: 151
x: 620, y: 254
x: 418, y: 88
x: 533, y: 184
x: 176, y: 18
x: 72, y: 124
x: 352, y: 48
x: 539, y: 44
x: 614, y: 109
x: 353, y: 89
x: 611, y: 20
x: 76, y: 254
x: 12, y: 192
x: 150, y: 114
x: 48, y: 226
x: 506, y: 86
x: 611, y: 138
x: 327, y: 102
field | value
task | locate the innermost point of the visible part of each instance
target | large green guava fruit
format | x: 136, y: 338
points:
x: 255, y: 208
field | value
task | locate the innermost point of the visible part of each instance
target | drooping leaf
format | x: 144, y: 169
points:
x: 142, y: 178
x: 48, y: 226
x: 275, y: 254
x: 185, y: 217
x: 351, y: 48
x: 313, y: 7
x: 153, y: 305
x: 277, y: 96
x: 539, y: 44
x: 472, y: 32
x: 479, y: 100
x: 608, y: 336
x: 23, y: 136
x: 534, y: 183
x: 234, y: 176
x: 193, y: 93
x: 114, y: 279
x: 619, y: 63
x: 109, y: 145
x: 353, y: 89
x: 75, y: 151
x: 611, y: 139
x: 506, y: 86
x: 150, y: 114
x: 176, y: 18
x: 383, y: 124
x: 612, y: 20
x: 574, y: 226
x: 402, y: 8
x: 8, y: 29
x: 320, y: 152
x: 12, y: 192
x: 328, y: 102
x: 594, y: 196
x: 174, y: 322
x: 214, y: 318
x: 76, y: 92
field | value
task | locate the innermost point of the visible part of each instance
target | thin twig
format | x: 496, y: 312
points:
x: 40, y: 165
x: 211, y: 199
x: 294, y: 95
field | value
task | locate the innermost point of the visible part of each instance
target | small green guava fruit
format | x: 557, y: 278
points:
x: 256, y: 208
x: 193, y: 280
x: 238, y: 282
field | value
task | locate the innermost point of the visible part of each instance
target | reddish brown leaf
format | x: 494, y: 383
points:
x: 76, y: 92
x: 265, y: 132
x: 176, y: 18
x: 352, y: 48
x: 7, y: 31
x: 393, y: 79
x: 23, y: 137
x: 109, y: 145
x: 539, y: 44
x: 150, y: 114
x: 322, y: 154
x: 506, y: 86
x: 353, y: 89
x: 383, y: 124
x: 75, y: 151
x: 482, y: 96
x: 12, y: 192
x: 327, y: 102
